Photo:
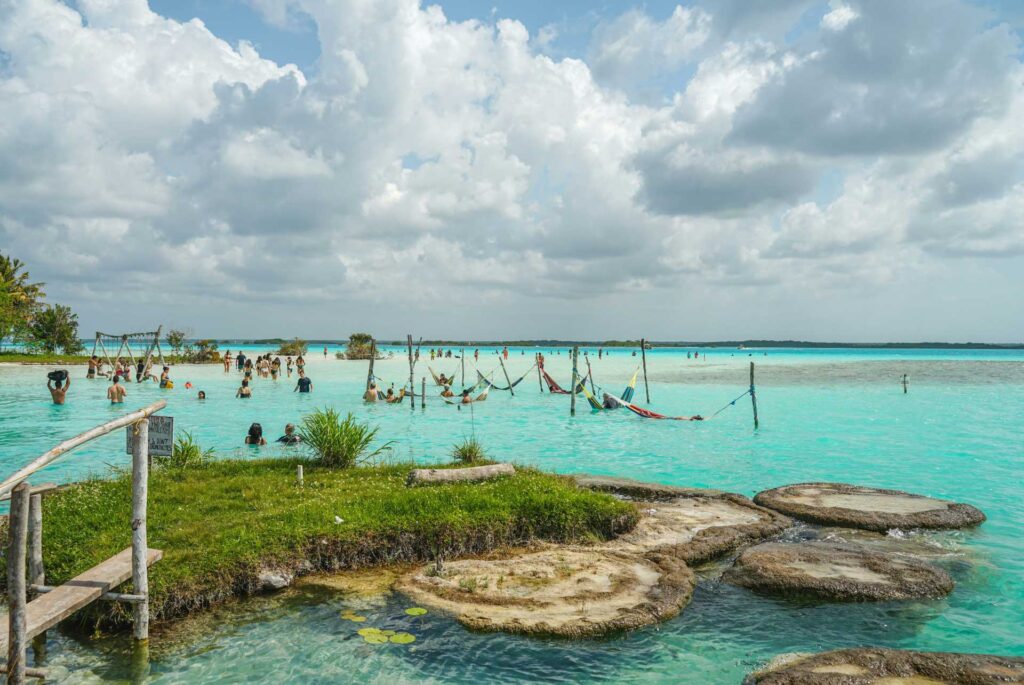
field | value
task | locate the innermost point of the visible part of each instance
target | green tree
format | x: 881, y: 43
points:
x: 20, y: 299
x: 55, y: 328
x: 176, y: 339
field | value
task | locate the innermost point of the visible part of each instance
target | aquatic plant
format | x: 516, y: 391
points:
x: 469, y: 451
x: 337, y: 442
x: 186, y: 453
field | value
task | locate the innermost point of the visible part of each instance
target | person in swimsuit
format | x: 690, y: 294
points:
x: 289, y: 437
x: 255, y: 436
x: 93, y: 364
x: 371, y: 394
x: 58, y: 389
x: 116, y: 392
x: 447, y: 392
x: 165, y: 378
x: 227, y: 361
x: 244, y: 392
x: 201, y: 395
x: 466, y: 399
x: 300, y: 363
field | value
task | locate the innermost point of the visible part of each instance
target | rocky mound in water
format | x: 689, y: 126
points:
x: 890, y: 667
x: 571, y: 592
x: 835, y: 572
x: 689, y: 523
x: 839, y: 504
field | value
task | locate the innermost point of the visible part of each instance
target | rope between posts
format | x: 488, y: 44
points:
x: 748, y: 391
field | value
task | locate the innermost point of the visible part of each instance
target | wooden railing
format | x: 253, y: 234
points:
x: 25, y: 540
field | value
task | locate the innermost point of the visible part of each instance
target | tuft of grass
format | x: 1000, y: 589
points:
x: 186, y: 453
x: 337, y: 442
x: 469, y: 451
x: 220, y: 525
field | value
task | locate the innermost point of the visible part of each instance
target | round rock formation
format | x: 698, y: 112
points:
x: 571, y: 592
x: 874, y: 666
x: 854, y: 506
x: 835, y: 572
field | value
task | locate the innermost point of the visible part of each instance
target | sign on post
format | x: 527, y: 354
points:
x: 161, y: 436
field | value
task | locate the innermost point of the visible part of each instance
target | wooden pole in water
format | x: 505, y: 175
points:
x: 36, y: 571
x: 643, y: 357
x: 904, y: 384
x: 540, y: 380
x: 753, y: 394
x: 412, y: 377
x: 17, y: 523
x: 423, y: 393
x: 462, y: 358
x: 504, y: 371
x: 373, y: 356
x: 590, y: 373
x: 140, y: 550
x: 572, y: 388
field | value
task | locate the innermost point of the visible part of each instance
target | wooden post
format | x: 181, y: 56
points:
x: 753, y: 394
x: 16, y: 592
x: 643, y: 357
x: 540, y: 380
x: 503, y: 370
x: 590, y: 373
x: 412, y: 379
x: 423, y: 392
x: 462, y: 358
x: 904, y: 384
x: 373, y: 355
x: 572, y: 388
x: 298, y: 474
x: 140, y: 491
x: 36, y: 572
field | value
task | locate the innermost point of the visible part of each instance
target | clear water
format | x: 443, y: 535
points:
x: 825, y: 414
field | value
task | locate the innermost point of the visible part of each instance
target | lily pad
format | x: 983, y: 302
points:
x: 369, y: 631
x: 375, y: 639
x: 355, y: 618
x: 403, y: 638
x: 415, y: 611
x: 388, y: 633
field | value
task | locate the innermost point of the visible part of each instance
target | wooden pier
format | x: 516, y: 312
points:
x: 26, y: 619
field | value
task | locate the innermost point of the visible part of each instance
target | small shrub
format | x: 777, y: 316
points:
x: 338, y: 442
x: 469, y: 451
x: 293, y: 347
x: 186, y: 453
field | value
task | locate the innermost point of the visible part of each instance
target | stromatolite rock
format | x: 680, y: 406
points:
x: 840, y: 504
x: 836, y: 572
x: 565, y: 591
x: 875, y: 666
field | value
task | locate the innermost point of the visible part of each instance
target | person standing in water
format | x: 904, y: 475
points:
x: 59, y: 389
x: 116, y: 392
x: 304, y: 384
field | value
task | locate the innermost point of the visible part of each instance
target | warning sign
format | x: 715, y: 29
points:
x: 161, y: 436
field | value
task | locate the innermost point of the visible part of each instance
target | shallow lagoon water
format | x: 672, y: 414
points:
x: 825, y: 415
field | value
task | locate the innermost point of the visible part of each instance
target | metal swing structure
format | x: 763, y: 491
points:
x: 150, y: 339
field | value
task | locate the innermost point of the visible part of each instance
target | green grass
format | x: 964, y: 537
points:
x: 469, y: 452
x: 220, y: 524
x: 43, y: 358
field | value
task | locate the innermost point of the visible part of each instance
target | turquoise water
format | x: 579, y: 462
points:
x: 825, y: 414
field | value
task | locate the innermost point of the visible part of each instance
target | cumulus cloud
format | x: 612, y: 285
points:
x: 459, y: 157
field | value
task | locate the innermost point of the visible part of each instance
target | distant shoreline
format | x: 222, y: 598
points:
x: 793, y: 344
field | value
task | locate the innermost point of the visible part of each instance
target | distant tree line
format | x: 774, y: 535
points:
x: 26, y: 318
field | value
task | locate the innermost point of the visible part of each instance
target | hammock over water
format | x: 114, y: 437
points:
x: 437, y: 379
x: 555, y: 388
x: 483, y: 379
x: 647, y: 413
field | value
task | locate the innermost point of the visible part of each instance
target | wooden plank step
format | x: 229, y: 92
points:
x: 36, y: 490
x: 47, y: 610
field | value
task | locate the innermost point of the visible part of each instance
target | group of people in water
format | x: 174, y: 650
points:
x: 266, y: 366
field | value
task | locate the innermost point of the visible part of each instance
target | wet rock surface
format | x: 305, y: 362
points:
x: 874, y: 666
x: 563, y: 591
x: 841, y: 504
x: 836, y: 572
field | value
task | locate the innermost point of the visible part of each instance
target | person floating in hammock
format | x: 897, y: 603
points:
x: 447, y: 391
x: 443, y: 380
x: 371, y: 394
x: 466, y: 397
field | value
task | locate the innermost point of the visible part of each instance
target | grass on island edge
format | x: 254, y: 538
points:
x: 220, y: 524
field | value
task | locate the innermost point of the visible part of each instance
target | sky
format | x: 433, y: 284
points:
x: 840, y: 170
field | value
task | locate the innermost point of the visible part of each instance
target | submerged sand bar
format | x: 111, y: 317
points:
x: 855, y: 506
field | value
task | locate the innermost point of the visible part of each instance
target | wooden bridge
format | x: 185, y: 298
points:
x: 26, y: 619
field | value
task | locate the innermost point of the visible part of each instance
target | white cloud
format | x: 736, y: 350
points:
x: 458, y: 156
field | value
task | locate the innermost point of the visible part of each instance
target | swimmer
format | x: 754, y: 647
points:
x: 289, y: 437
x: 116, y: 392
x: 371, y: 394
x: 165, y: 378
x: 244, y: 392
x: 466, y: 399
x: 58, y: 389
x: 201, y: 395
x: 255, y: 436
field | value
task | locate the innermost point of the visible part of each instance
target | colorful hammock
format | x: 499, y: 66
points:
x: 437, y: 379
x: 483, y: 379
x: 479, y: 398
x: 555, y: 388
x: 647, y: 413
